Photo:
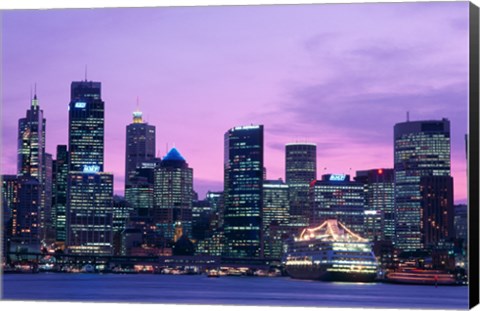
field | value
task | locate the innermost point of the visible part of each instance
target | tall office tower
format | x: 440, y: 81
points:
x: 31, y: 143
x: 140, y: 146
x: 27, y: 207
x: 86, y: 125
x: 139, y: 191
x: 201, y: 218
x: 48, y: 233
x: 461, y: 223
x: 90, y: 213
x: 31, y: 154
x: 89, y: 189
x: 336, y: 197
x: 276, y: 216
x: 216, y: 201
x: 122, y: 211
x: 243, y: 173
x: 437, y: 210
x: 300, y: 171
x: 421, y: 149
x: 379, y: 203
x: 173, y: 196
x: 59, y: 197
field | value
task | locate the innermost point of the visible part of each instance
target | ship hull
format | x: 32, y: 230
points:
x: 321, y: 274
x: 421, y: 278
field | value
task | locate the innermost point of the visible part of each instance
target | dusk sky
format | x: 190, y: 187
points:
x: 338, y: 75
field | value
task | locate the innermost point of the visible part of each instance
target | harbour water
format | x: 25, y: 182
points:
x: 248, y: 291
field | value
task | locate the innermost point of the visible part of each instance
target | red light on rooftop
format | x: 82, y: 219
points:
x: 380, y: 171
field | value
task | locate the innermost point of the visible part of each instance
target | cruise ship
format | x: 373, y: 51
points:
x: 331, y: 252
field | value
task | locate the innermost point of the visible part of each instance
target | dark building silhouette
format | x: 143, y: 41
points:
x: 59, y: 193
x: 437, y: 210
x: 300, y: 171
x: 243, y: 167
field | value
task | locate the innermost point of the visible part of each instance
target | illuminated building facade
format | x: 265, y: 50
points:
x: 140, y: 146
x: 276, y: 217
x: 10, y: 213
x: 336, y: 197
x: 59, y: 199
x: 89, y: 219
x: 379, y: 203
x: 216, y: 201
x: 421, y: 149
x: 90, y: 213
x: 173, y: 196
x: 300, y: 171
x: 139, y: 191
x: 31, y: 154
x: 86, y: 127
x: 243, y: 174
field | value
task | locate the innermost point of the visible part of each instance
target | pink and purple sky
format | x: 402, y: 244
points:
x: 339, y: 75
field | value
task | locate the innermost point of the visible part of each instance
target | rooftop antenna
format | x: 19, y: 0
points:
x: 408, y: 116
x: 35, y: 90
x: 31, y: 95
x: 85, y: 73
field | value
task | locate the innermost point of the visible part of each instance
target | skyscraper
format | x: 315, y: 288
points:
x: 243, y: 167
x: 173, y: 196
x: 300, y: 171
x: 140, y: 163
x: 90, y: 213
x: 379, y: 203
x: 437, y: 210
x: 86, y: 125
x: 140, y: 145
x: 337, y: 197
x: 46, y: 215
x: 31, y: 142
x: 90, y: 190
x: 31, y: 156
x: 421, y: 149
x: 275, y: 217
x: 60, y: 181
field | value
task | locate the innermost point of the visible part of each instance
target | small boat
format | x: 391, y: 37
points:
x: 421, y: 277
x: 213, y: 273
x: 88, y: 268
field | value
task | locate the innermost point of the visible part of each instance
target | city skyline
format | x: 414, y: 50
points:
x: 241, y: 84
